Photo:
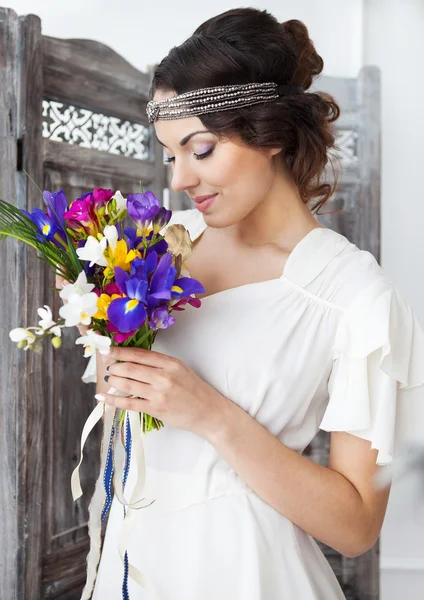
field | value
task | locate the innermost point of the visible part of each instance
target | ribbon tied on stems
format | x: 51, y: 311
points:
x: 122, y: 446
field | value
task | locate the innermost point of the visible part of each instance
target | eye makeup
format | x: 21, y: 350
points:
x: 196, y: 156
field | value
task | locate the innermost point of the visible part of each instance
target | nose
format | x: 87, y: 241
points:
x: 183, y: 177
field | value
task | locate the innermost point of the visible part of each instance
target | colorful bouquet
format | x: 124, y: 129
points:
x: 124, y: 282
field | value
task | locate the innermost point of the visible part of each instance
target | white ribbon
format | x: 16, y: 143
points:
x: 96, y: 505
x: 138, y: 461
x: 98, y: 499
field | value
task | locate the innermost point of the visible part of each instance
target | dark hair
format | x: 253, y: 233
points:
x: 246, y: 45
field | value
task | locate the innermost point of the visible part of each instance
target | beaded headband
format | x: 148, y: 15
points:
x: 215, y: 99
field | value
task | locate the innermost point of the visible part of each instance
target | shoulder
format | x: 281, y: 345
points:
x: 339, y: 271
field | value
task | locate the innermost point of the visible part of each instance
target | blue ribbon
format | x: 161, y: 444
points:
x: 125, y: 594
x: 108, y: 476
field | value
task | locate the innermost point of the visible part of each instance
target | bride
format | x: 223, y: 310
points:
x: 294, y: 335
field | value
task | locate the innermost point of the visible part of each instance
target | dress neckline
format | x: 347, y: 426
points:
x: 298, y: 248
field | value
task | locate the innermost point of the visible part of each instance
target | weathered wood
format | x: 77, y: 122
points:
x: 43, y: 533
x: 62, y: 573
x: 358, y: 195
x: 31, y: 422
x: 69, y: 158
x: 12, y: 260
x: 367, y: 229
x: 99, y: 78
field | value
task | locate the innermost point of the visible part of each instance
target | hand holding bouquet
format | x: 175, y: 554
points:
x: 124, y: 282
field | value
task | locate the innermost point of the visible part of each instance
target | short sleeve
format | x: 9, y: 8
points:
x: 376, y: 386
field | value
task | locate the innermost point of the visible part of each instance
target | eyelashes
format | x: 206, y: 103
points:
x: 196, y: 156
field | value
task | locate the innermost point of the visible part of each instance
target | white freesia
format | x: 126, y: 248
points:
x: 121, y: 203
x: 93, y: 251
x: 111, y: 234
x: 79, y: 309
x: 20, y: 335
x: 79, y: 288
x: 47, y: 320
x: 92, y: 342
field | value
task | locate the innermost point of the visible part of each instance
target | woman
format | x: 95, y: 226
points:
x: 299, y: 330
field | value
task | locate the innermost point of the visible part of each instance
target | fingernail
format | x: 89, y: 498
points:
x: 107, y: 368
x: 106, y: 378
x: 100, y: 397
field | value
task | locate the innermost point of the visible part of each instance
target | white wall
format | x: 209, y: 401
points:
x: 143, y: 32
x: 347, y: 33
x: 394, y: 40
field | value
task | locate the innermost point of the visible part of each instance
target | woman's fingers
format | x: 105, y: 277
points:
x: 136, y: 372
x: 136, y: 404
x: 142, y: 356
x: 131, y: 387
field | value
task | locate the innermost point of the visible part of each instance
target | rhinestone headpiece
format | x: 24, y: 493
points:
x: 214, y: 99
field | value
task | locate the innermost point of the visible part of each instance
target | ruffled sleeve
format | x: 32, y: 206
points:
x: 376, y: 386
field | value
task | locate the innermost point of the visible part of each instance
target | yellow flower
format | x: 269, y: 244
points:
x: 120, y: 257
x: 103, y: 304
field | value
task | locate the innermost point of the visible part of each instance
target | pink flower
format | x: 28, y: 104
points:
x: 119, y: 337
x: 101, y: 196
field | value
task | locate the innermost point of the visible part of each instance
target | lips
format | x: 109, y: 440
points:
x: 200, y: 199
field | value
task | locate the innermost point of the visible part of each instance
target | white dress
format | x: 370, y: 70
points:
x: 330, y: 345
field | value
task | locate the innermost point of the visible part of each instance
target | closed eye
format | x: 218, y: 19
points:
x: 196, y: 156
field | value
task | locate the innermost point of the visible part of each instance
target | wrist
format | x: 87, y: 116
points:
x: 220, y: 420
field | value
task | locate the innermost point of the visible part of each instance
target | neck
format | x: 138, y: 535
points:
x: 281, y: 219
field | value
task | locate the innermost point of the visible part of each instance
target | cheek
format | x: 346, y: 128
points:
x: 243, y: 174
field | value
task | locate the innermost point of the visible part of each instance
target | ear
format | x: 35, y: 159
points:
x: 273, y: 151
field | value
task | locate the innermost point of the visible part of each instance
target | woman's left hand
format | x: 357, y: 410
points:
x: 166, y: 388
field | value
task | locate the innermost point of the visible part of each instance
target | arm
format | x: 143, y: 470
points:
x: 336, y: 504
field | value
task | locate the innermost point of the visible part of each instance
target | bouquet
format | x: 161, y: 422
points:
x: 123, y: 285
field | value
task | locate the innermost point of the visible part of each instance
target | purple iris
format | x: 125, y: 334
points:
x: 143, y: 208
x: 47, y: 229
x: 57, y: 205
x: 142, y: 268
x: 128, y: 314
x: 133, y: 239
x: 188, y: 287
x: 162, y: 281
x: 159, y: 247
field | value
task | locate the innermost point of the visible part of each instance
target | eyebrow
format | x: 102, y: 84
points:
x: 185, y: 139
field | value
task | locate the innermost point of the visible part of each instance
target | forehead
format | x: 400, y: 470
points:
x: 172, y: 131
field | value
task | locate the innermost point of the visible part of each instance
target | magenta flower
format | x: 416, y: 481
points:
x: 118, y: 336
x: 101, y: 196
x: 81, y: 213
